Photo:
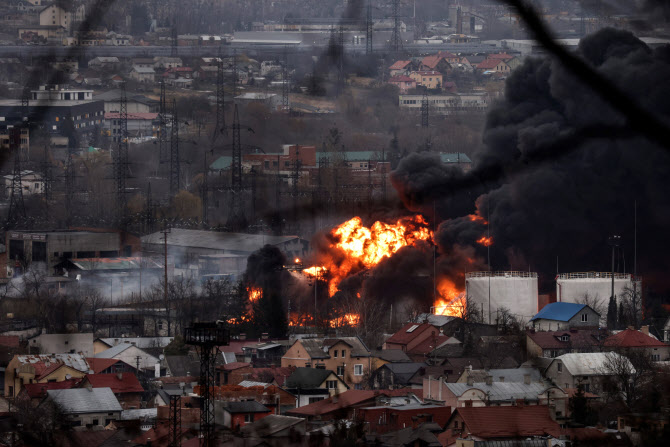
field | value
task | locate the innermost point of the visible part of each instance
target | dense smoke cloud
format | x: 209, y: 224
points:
x: 560, y: 209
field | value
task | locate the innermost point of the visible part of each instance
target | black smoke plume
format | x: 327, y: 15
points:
x: 560, y: 171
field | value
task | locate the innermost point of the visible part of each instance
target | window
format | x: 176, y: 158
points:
x: 559, y: 367
x: 95, y: 422
x: 358, y: 370
x: 335, y: 353
x: 358, y: 386
x: 248, y: 418
x: 655, y: 357
x: 344, y: 353
x: 585, y: 318
x: 565, y: 338
x: 340, y: 370
x: 331, y: 384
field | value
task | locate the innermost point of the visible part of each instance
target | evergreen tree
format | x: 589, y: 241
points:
x: 612, y: 314
x: 622, y: 321
x: 579, y: 406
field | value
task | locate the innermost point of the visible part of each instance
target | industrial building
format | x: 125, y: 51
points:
x: 517, y: 292
x: 574, y: 287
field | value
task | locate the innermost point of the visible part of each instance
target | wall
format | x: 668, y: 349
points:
x: 103, y: 419
x: 129, y: 356
x: 576, y: 321
x: 348, y: 362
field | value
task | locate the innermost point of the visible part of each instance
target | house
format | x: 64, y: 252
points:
x: 125, y: 387
x: 506, y: 394
x: 435, y: 63
x: 24, y: 369
x: 65, y: 343
x: 586, y: 369
x: 632, y: 341
x: 182, y: 365
x: 142, y: 74
x: 265, y: 353
x: 525, y: 375
x: 499, y: 424
x: 400, y: 68
x: 563, y: 316
x: 131, y: 355
x: 275, y: 398
x: 36, y: 392
x: 179, y: 72
x: 146, y: 343
x: 347, y: 356
x: 144, y: 62
x: 422, y: 435
x: 410, y: 336
x: 309, y: 384
x: 404, y: 83
x: 164, y: 62
x: 90, y: 407
x: 394, y: 375
x: 554, y: 343
x: 429, y: 79
x: 494, y: 66
x: 234, y: 373
x: 234, y: 415
x: 109, y: 366
x: 104, y: 62
x: 449, y: 57
x: 275, y: 427
x: 385, y: 418
x: 473, y: 60
x: 345, y: 405
x: 161, y: 435
x: 31, y: 183
x: 274, y: 375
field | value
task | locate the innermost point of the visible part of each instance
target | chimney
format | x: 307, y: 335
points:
x: 89, y: 387
x: 119, y: 375
x: 242, y: 336
x: 489, y: 380
x: 471, y: 380
x: 644, y: 330
x: 526, y: 379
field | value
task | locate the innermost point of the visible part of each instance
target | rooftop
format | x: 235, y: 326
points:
x: 559, y: 311
x: 84, y: 400
x: 631, y: 338
x: 118, y: 383
x: 502, y: 391
x: 216, y: 240
x: 508, y: 422
x: 590, y: 364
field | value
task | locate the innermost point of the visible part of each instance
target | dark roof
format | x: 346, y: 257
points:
x: 118, y: 383
x: 9, y: 341
x: 39, y: 390
x: 347, y: 399
x: 577, y: 338
x: 307, y: 378
x: 270, y: 425
x: 508, y: 422
x: 391, y: 355
x: 182, y: 365
x: 559, y: 311
x: 403, y: 372
x: 408, y: 332
x: 247, y: 406
x: 410, y: 436
x: 314, y: 348
x: 358, y: 348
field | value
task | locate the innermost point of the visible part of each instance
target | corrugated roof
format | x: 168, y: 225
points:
x: 508, y: 422
x: 132, y: 263
x: 113, y: 351
x: 501, y: 391
x: 139, y: 413
x: 75, y: 361
x: 561, y: 311
x: 507, y: 374
x: 223, y: 162
x: 84, y: 400
x: 590, y: 363
x: 248, y: 406
x: 217, y: 240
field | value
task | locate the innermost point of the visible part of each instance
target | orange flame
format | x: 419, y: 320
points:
x: 350, y: 319
x: 366, y: 247
x: 485, y: 241
x: 477, y: 218
x: 254, y: 293
x: 450, y: 301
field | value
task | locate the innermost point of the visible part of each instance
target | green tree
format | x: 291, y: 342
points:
x: 612, y: 314
x: 579, y: 406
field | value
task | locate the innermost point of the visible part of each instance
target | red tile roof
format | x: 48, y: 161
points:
x: 234, y: 366
x: 402, y: 337
x: 97, y: 365
x: 237, y: 345
x: 508, y: 422
x: 401, y: 78
x: 344, y: 400
x: 9, y: 341
x: 119, y: 383
x: 428, y: 345
x: 42, y: 370
x: 431, y: 61
x: 630, y: 338
x: 39, y: 390
x: 399, y: 65
x: 447, y: 55
x: 487, y: 64
x: 501, y: 56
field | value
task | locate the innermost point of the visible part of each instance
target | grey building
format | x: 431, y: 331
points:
x: 63, y: 344
x: 87, y: 406
x: 586, y: 369
x: 563, y: 316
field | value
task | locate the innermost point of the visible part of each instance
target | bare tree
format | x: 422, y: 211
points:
x: 595, y: 303
x: 625, y: 376
x: 631, y: 299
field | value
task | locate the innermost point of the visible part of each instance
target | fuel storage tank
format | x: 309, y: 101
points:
x: 491, y: 291
x: 574, y: 287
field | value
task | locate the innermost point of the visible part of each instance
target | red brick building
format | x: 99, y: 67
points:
x: 386, y: 418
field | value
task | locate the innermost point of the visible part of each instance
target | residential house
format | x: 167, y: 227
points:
x: 275, y: 429
x: 178, y: 72
x: 435, y: 63
x: 36, y: 392
x: 449, y: 57
x: 394, y: 375
x: 499, y: 424
x: 182, y: 365
x: 385, y: 418
x: 144, y: 62
x: 410, y: 336
x: 563, y: 316
x: 404, y: 83
x: 493, y: 66
x: 146, y: 343
x: 55, y: 15
x: 24, y: 369
x: 277, y: 399
x: 347, y: 356
x: 481, y: 394
x: 109, y: 366
x: 345, y: 405
x: 141, y: 74
x: 525, y: 375
x: 429, y: 79
x: 234, y: 373
x: 630, y: 341
x: 31, y: 183
x: 265, y: 353
x: 90, y: 407
x: 400, y: 68
x: 312, y: 385
x: 161, y: 435
x: 164, y: 62
x: 586, y: 369
x: 554, y: 343
x: 131, y: 355
x: 273, y: 375
x: 63, y: 343
x: 235, y: 415
x: 125, y: 387
x: 473, y: 60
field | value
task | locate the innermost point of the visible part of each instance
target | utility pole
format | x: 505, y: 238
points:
x: 340, y: 66
x: 368, y: 29
x: 17, y: 209
x: 121, y: 159
x: 235, y: 77
x: 165, y: 232
x: 236, y: 220
x: 614, y: 241
x: 175, y: 169
x: 149, y: 213
x: 162, y: 123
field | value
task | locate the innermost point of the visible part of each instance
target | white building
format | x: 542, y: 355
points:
x: 31, y: 183
x: 491, y: 292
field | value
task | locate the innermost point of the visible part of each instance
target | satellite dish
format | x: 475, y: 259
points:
x: 161, y: 357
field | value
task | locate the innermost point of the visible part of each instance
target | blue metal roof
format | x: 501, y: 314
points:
x: 558, y: 311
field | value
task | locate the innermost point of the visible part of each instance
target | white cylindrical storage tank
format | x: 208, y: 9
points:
x: 575, y: 287
x: 514, y: 291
